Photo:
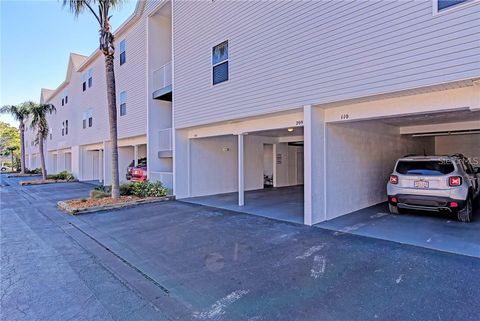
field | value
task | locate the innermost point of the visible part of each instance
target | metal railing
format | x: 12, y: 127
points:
x: 165, y: 139
x: 162, y: 77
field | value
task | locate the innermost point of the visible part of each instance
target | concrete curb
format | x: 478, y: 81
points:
x: 27, y: 183
x: 76, y: 211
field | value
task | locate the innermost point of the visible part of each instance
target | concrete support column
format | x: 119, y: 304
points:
x: 100, y: 165
x: 181, y: 164
x: 241, y: 170
x: 314, y: 165
x: 135, y: 155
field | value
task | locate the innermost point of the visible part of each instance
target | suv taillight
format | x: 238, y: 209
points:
x: 393, y: 179
x: 455, y: 181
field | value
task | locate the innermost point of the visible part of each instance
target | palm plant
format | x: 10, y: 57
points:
x: 39, y: 122
x: 20, y: 113
x: 107, y: 48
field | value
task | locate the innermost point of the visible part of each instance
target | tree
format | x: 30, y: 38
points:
x: 9, y: 142
x: 107, y: 48
x: 39, y: 122
x: 20, y: 113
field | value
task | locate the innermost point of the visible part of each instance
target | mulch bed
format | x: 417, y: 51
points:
x: 90, y: 205
x: 45, y: 181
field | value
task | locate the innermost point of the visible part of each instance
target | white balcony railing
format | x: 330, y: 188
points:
x: 162, y: 77
x: 165, y: 139
x: 165, y: 177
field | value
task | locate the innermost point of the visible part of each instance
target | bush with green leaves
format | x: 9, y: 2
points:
x: 94, y: 193
x: 36, y: 171
x: 148, y: 189
x: 63, y: 175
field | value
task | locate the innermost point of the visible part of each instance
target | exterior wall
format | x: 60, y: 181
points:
x: 131, y: 77
x: 360, y: 157
x: 469, y: 145
x: 298, y: 55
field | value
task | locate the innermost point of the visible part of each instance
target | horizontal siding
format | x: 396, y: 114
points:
x: 131, y: 77
x: 285, y: 54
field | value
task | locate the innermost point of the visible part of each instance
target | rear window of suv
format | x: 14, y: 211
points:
x: 428, y: 168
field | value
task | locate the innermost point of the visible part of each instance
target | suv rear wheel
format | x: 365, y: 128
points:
x: 465, y: 214
x: 393, y: 209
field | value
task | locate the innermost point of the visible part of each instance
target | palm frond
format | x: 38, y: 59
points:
x: 39, y: 118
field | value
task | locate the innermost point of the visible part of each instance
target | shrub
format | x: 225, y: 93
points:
x: 148, y: 189
x: 33, y: 171
x: 126, y: 189
x: 64, y: 175
x: 98, y: 194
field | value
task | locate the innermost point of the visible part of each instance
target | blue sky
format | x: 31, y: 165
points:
x: 36, y: 38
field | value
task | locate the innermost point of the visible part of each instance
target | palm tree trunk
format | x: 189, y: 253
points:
x: 42, y: 157
x: 112, y: 117
x: 22, y: 147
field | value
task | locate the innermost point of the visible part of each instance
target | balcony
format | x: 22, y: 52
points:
x: 162, y: 82
x: 165, y: 142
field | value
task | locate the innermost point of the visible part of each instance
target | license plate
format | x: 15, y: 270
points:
x: 421, y: 184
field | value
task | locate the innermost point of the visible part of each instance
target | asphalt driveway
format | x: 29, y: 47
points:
x: 183, y: 261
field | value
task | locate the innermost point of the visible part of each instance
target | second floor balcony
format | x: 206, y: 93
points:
x: 162, y: 82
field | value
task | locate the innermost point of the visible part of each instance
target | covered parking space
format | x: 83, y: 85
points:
x: 250, y: 167
x: 362, y: 148
x: 130, y: 151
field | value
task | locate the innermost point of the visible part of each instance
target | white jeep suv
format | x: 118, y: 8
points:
x: 434, y: 183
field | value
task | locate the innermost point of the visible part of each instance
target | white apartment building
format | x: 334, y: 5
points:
x: 317, y: 99
x: 324, y: 94
x: 79, y: 133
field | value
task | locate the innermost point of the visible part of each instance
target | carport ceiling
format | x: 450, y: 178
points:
x: 283, y: 132
x: 433, y: 118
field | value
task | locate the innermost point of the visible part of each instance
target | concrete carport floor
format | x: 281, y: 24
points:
x: 367, y: 151
x: 281, y: 203
x: 272, y: 173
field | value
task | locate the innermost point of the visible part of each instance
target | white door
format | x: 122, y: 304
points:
x: 55, y: 163
x: 68, y: 162
x: 95, y: 167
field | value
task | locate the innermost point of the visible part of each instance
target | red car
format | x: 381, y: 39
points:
x: 139, y: 172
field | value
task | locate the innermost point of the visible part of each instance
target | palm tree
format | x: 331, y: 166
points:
x: 108, y: 50
x: 40, y: 123
x: 20, y: 113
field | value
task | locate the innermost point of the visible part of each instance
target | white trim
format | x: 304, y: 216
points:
x: 436, y: 12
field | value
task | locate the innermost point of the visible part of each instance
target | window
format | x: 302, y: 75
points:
x: 66, y: 99
x: 87, y: 119
x: 66, y: 127
x: 427, y: 168
x: 445, y: 4
x: 90, y: 77
x: 123, y: 54
x: 84, y: 82
x: 123, y: 103
x: 63, y: 101
x: 63, y: 128
x: 65, y: 95
x: 220, y: 63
